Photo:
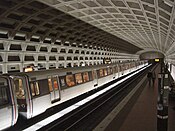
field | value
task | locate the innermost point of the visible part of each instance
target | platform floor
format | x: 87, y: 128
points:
x: 143, y: 114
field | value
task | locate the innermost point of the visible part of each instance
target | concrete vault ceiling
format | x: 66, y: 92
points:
x: 30, y: 18
x: 147, y: 24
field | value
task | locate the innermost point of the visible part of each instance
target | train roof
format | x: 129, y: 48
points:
x: 46, y: 73
x: 62, y: 70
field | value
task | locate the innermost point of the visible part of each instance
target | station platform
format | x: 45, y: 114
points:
x: 140, y: 114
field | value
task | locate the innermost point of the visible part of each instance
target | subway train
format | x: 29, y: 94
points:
x: 30, y: 94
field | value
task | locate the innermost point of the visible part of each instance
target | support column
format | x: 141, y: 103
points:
x: 162, y: 103
x: 47, y: 65
x: 21, y: 67
x: 4, y: 68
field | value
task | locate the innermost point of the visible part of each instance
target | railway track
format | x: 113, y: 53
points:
x: 87, y: 116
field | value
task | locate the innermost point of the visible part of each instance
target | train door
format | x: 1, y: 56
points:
x: 8, y: 106
x: 120, y: 69
x: 114, y: 72
x: 22, y: 95
x: 95, y: 78
x: 54, y: 89
x: 129, y: 66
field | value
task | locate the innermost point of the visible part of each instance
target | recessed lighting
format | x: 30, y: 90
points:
x: 3, y: 32
x: 20, y: 34
x: 58, y: 40
x: 36, y: 37
x: 47, y: 38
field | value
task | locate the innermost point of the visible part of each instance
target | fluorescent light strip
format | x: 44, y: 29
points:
x: 76, y: 105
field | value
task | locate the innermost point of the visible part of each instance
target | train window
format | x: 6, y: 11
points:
x: 116, y: 69
x: 37, y: 88
x: 3, y: 92
x: 78, y: 78
x: 109, y: 71
x: 43, y: 86
x: 127, y: 66
x: 94, y: 75
x: 85, y: 77
x: 90, y: 75
x: 50, y: 85
x: 120, y: 68
x: 62, y: 81
x: 101, y: 72
x: 34, y: 88
x: 55, y: 83
x: 105, y: 72
x: 70, y: 80
x: 18, y: 85
x: 124, y: 67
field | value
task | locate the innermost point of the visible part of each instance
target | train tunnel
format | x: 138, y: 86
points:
x: 54, y: 51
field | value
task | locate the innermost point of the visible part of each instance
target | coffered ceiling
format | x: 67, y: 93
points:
x: 33, y: 19
x: 147, y: 24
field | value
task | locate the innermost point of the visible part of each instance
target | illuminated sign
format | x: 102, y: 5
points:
x: 29, y: 69
x: 106, y: 61
x: 156, y: 60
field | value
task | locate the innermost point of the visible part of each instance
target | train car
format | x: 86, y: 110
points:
x: 8, y: 103
x: 37, y: 91
x: 40, y: 90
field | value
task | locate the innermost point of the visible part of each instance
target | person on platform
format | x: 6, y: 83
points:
x: 153, y: 77
x: 149, y: 76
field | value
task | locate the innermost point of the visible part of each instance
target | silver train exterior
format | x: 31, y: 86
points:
x: 32, y: 93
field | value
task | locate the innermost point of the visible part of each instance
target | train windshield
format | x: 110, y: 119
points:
x: 3, y: 92
x: 18, y: 85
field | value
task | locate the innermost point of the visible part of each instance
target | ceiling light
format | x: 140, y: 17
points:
x: 20, y: 34
x: 47, y: 38
x: 3, y: 32
x: 58, y: 40
x: 36, y: 37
